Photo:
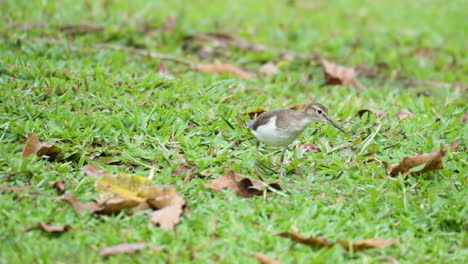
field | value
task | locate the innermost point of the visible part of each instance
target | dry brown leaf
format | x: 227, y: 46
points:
x: 34, y: 146
x: 268, y: 69
x: 432, y: 161
x: 379, y: 113
x: 339, y: 75
x: 59, y: 185
x: 368, y: 243
x: 240, y: 184
x: 126, y: 248
x: 223, y: 68
x: 50, y: 228
x: 81, y: 28
x: 405, y: 113
x: 308, y: 147
x: 183, y: 167
x: 15, y: 188
x: 167, y: 217
x: 77, y: 205
x: 93, y: 171
x: 311, y: 241
x: 264, y: 259
x: 318, y: 242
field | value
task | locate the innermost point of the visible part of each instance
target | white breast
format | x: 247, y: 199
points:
x: 274, y: 136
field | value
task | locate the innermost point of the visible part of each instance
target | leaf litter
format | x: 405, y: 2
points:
x: 339, y: 75
x: 126, y: 248
x: 135, y: 193
x: 49, y: 228
x: 242, y: 185
x: 432, y: 161
x: 319, y: 242
x: 35, y: 146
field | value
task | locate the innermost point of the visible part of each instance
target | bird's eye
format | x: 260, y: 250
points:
x: 319, y: 111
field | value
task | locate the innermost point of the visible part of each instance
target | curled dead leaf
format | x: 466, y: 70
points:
x: 264, y: 259
x: 318, y: 242
x: 405, y: 113
x: 35, y: 146
x: 379, y: 113
x: 432, y: 161
x: 59, y: 185
x: 126, y: 248
x: 223, y: 68
x: 240, y: 184
x: 50, y: 228
x: 115, y: 205
x: 93, y: 171
x: 15, y: 188
x: 339, y: 75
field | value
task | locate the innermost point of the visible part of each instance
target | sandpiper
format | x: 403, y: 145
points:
x: 281, y: 127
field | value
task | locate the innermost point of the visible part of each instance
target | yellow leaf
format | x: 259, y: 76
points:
x: 127, y: 186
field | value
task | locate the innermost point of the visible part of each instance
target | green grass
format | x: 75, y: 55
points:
x: 131, y: 115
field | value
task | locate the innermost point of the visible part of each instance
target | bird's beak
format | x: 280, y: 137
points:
x: 335, y: 125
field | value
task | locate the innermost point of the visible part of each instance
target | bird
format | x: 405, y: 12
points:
x: 281, y: 127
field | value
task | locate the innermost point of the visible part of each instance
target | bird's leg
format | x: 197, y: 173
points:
x: 257, y: 144
x: 281, y: 162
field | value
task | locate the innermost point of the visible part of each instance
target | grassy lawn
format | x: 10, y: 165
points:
x: 113, y: 108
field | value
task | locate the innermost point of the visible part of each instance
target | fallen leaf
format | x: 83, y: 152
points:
x: 183, y: 167
x: 93, y: 171
x: 425, y: 52
x: 162, y: 68
x: 50, y: 228
x: 308, y: 147
x: 126, y: 248
x: 59, y: 185
x: 368, y: 243
x: 130, y: 187
x: 268, y: 69
x: 14, y: 188
x: 311, y: 241
x: 318, y: 242
x: 223, y: 68
x: 464, y: 118
x: 167, y: 217
x: 81, y: 28
x: 77, y: 205
x: 254, y: 113
x: 240, y: 184
x: 405, y: 113
x: 34, y: 146
x: 432, y: 161
x: 264, y: 259
x: 379, y: 113
x: 339, y: 75
x: 166, y: 197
